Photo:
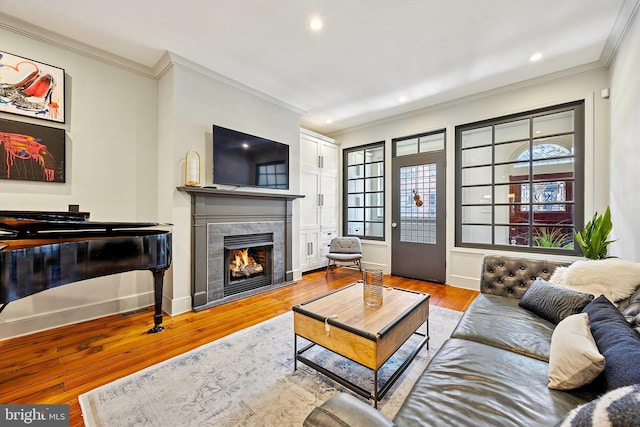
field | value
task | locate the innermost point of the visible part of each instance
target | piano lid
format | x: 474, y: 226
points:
x: 30, y: 222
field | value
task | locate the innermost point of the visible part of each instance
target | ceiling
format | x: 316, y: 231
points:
x: 372, y: 59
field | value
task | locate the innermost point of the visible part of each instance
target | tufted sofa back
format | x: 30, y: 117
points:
x: 511, y: 276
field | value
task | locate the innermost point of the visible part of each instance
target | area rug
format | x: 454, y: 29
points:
x: 248, y: 379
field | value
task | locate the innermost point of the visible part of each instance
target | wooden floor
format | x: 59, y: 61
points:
x: 58, y: 365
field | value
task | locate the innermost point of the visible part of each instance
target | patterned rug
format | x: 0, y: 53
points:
x: 247, y: 379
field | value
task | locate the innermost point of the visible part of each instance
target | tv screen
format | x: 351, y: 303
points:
x: 247, y: 160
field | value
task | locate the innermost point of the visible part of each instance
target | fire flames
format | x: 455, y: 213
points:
x: 242, y: 264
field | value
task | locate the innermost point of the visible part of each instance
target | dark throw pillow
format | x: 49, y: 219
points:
x: 552, y: 302
x: 617, y: 341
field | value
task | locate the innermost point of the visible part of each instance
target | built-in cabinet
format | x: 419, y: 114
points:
x: 319, y: 162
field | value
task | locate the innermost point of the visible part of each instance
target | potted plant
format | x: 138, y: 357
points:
x: 593, y: 240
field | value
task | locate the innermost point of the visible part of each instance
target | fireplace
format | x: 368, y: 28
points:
x: 249, y: 262
x: 224, y: 221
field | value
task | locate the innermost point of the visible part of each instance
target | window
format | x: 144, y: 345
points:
x: 519, y: 181
x: 364, y: 191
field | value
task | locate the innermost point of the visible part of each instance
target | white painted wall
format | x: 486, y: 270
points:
x: 111, y: 163
x: 625, y: 141
x: 127, y: 135
x: 199, y: 100
x: 463, y: 264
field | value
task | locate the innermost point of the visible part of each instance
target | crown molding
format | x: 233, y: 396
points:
x: 559, y: 75
x: 628, y: 13
x: 172, y: 59
x: 42, y: 35
x: 168, y: 60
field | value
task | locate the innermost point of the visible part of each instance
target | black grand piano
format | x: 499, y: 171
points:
x: 43, y: 250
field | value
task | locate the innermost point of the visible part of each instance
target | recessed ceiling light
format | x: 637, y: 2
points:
x: 402, y: 99
x: 535, y: 57
x: 329, y: 121
x: 315, y: 24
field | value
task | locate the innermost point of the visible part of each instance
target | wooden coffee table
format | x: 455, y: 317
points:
x: 341, y: 322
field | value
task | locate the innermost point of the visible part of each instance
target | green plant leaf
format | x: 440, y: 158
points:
x: 593, y: 239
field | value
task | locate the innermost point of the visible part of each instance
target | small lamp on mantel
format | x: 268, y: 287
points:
x: 192, y: 169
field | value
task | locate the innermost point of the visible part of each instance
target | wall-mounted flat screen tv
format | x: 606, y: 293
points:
x: 249, y: 161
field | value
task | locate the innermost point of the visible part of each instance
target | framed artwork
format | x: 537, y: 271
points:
x: 31, y: 88
x: 31, y: 152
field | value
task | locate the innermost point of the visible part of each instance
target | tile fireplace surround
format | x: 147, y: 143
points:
x: 219, y: 213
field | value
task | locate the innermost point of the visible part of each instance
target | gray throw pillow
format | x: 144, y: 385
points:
x: 552, y: 302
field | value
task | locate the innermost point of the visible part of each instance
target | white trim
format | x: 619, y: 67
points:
x: 177, y: 60
x: 42, y: 321
x: 53, y: 39
x: 626, y: 16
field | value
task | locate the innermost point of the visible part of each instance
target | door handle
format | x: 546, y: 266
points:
x: 394, y: 225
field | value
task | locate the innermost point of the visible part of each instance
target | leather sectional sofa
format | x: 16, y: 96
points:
x: 493, y: 370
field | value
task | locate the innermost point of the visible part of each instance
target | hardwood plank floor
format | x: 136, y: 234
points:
x: 56, y: 366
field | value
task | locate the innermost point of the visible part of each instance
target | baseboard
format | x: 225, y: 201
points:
x: 464, y: 282
x: 177, y: 306
x: 71, y: 315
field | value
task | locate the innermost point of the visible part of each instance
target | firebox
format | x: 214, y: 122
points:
x: 248, y: 262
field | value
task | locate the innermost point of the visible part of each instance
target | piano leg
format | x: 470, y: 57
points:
x: 158, y: 278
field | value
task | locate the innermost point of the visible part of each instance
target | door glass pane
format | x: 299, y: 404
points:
x: 418, y: 201
x: 406, y: 147
x: 433, y: 142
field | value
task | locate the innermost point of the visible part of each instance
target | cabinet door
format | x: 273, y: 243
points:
x: 309, y: 152
x: 329, y: 199
x: 309, y: 249
x: 329, y: 157
x: 310, y: 203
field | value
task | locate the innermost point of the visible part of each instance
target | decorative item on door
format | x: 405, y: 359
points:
x: 192, y: 169
x: 417, y: 199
